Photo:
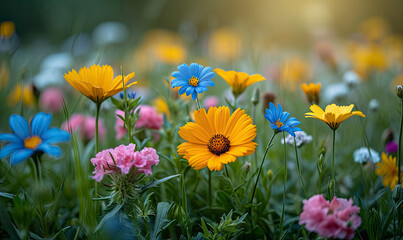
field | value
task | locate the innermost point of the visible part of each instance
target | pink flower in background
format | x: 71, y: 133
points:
x: 51, y: 100
x: 126, y: 159
x: 337, y: 219
x: 85, y: 125
x: 210, y: 101
x: 391, y: 147
x: 148, y: 118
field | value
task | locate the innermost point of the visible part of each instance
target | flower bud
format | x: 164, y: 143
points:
x: 255, y: 97
x: 399, y: 91
x: 246, y: 167
x: 397, y: 192
x: 270, y: 174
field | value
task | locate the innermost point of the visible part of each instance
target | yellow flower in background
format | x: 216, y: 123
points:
x: 217, y: 138
x: 170, y: 53
x: 311, y: 91
x: 7, y: 29
x: 15, y: 95
x: 333, y: 115
x: 388, y: 170
x: 97, y: 83
x: 374, y: 28
x: 4, y: 75
x: 162, y: 107
x: 295, y: 71
x: 225, y: 44
x: 239, y: 81
x: 366, y: 58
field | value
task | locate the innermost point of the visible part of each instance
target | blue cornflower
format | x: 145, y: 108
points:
x: 26, y: 141
x: 193, y: 79
x: 129, y: 94
x: 279, y: 120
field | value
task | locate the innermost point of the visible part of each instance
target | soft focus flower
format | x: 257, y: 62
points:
x: 85, y: 125
x: 97, y: 83
x: 193, y: 79
x: 388, y: 170
x: 367, y: 58
x: 301, y: 138
x: 7, y: 29
x: 170, y: 53
x: 53, y: 68
x: 373, y: 104
x: 391, y: 147
x: 280, y: 120
x: 210, y: 101
x: 28, y: 97
x: 161, y: 106
x: 311, y: 91
x: 51, y: 100
x: 335, y: 91
x: 295, y: 71
x: 351, y: 78
x: 28, y: 140
x: 148, y: 118
x: 374, y: 28
x: 362, y: 155
x: 225, y: 44
x: 4, y: 74
x: 125, y: 159
x: 333, y: 115
x: 110, y: 33
x: 239, y: 81
x: 217, y: 138
x: 268, y: 98
x: 337, y: 219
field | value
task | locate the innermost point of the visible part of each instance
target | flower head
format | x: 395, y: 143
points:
x: 387, y: 169
x: 51, y: 100
x: 27, y: 92
x: 337, y: 219
x: 85, y: 125
x: 96, y: 82
x: 362, y: 155
x: 311, y: 91
x: 36, y: 138
x: 280, y: 120
x: 7, y: 29
x: 301, y: 138
x: 217, y: 138
x: 391, y: 147
x: 192, y: 79
x: 239, y: 81
x: 333, y: 115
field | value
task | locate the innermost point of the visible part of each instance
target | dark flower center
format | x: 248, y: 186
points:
x: 193, y: 81
x: 218, y: 144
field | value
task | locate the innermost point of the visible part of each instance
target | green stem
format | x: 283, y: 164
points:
x: 127, y: 113
x: 261, y: 166
x: 399, y: 153
x: 96, y: 127
x: 209, y: 187
x: 226, y: 170
x: 285, y: 185
x: 333, y: 180
x: 299, y: 169
x: 198, y: 103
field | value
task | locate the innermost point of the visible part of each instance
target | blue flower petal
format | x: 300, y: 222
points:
x: 184, y: 68
x: 9, y: 137
x: 19, y: 126
x: 55, y: 135
x: 205, y: 71
x: 53, y: 151
x: 200, y: 89
x: 207, y: 76
x: 206, y: 83
x: 20, y: 155
x: 179, y: 75
x: 182, y: 90
x: 189, y: 90
x: 274, y: 126
x: 178, y: 83
x: 194, y: 95
x: 40, y: 123
x: 195, y: 70
x: 8, y: 149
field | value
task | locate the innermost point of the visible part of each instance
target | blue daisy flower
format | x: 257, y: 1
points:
x: 29, y: 140
x: 193, y: 79
x: 280, y: 120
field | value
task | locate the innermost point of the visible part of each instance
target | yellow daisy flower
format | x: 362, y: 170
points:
x: 239, y: 81
x: 217, y: 138
x: 387, y: 169
x: 162, y: 107
x: 27, y: 92
x: 311, y: 91
x: 97, y: 83
x: 333, y: 115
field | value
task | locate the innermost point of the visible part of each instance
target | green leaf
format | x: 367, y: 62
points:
x: 7, y: 195
x: 118, y: 104
x: 161, y: 222
x: 6, y: 223
x: 157, y: 182
x: 108, y: 216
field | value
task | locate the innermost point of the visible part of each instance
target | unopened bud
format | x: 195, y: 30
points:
x: 255, y: 96
x: 331, y: 185
x: 399, y: 91
x: 270, y: 174
x: 246, y: 167
x: 397, y: 192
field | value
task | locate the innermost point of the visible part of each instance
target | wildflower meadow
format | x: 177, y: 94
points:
x: 178, y: 120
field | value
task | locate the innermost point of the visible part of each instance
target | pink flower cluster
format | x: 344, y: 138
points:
x: 148, y: 118
x: 337, y: 219
x: 86, y: 125
x: 125, y: 158
x: 51, y: 100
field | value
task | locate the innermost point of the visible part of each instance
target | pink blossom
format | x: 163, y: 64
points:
x: 337, y: 219
x: 125, y: 158
x: 210, y: 101
x: 85, y: 125
x: 51, y: 100
x: 391, y: 147
x: 148, y: 118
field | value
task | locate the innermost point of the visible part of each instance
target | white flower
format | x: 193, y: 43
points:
x: 301, y: 138
x: 351, y: 78
x: 373, y: 104
x: 335, y: 91
x: 109, y: 33
x: 362, y: 155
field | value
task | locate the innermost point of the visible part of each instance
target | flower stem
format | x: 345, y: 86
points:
x: 198, y: 103
x: 333, y: 180
x: 96, y: 127
x: 285, y: 185
x: 261, y: 165
x: 299, y: 169
x: 399, y: 154
x: 209, y: 187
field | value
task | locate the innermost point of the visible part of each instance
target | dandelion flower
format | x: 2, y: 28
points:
x: 217, y: 138
x: 239, y: 81
x: 388, y: 170
x: 192, y: 79
x: 333, y: 115
x: 311, y: 91
x: 97, y: 83
x: 279, y: 120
